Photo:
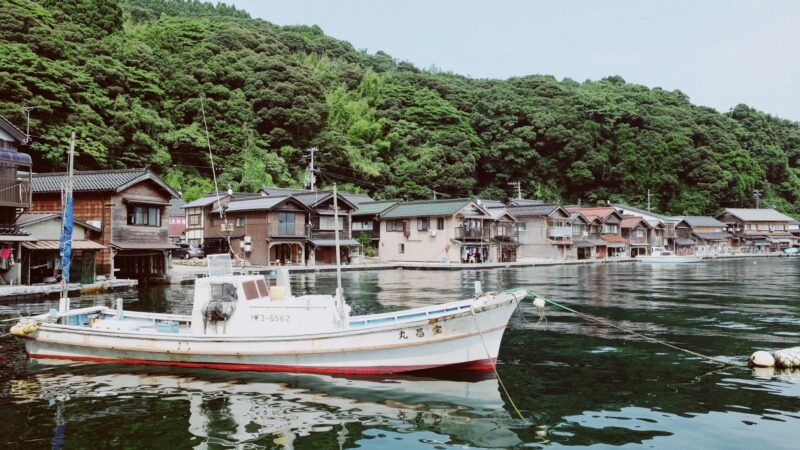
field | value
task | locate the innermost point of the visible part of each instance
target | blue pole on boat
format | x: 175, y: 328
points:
x: 65, y: 242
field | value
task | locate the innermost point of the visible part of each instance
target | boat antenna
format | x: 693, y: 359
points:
x: 216, y: 185
x: 339, y: 294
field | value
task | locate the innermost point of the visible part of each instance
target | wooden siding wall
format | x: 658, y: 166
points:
x: 109, y: 208
x: 87, y: 206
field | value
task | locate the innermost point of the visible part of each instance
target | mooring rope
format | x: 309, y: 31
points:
x: 494, y: 366
x: 648, y: 338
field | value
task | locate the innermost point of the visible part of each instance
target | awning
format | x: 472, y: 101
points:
x: 713, y: 236
x: 81, y: 244
x: 683, y: 241
x: 15, y: 158
x: 761, y: 243
x: 144, y: 201
x: 584, y: 243
x: 128, y: 245
x: 332, y: 242
x: 598, y: 242
x: 506, y: 244
x: 615, y: 245
x: 781, y: 241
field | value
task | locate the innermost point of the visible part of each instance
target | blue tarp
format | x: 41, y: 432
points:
x: 66, y: 239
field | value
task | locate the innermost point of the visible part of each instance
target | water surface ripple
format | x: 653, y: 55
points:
x: 579, y: 384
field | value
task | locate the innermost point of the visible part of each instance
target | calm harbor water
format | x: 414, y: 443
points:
x: 577, y: 383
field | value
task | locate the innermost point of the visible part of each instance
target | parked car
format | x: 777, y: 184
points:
x: 188, y: 251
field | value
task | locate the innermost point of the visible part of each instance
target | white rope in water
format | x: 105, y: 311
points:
x: 494, y: 366
x: 647, y: 338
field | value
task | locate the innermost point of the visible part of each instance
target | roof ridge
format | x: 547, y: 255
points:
x: 88, y: 172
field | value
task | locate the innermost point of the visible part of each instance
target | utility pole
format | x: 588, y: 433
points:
x: 518, y: 185
x: 648, y: 200
x: 27, y: 111
x: 757, y: 194
x: 434, y: 195
x: 310, y: 170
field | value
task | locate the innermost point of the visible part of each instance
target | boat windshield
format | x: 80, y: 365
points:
x: 223, y: 292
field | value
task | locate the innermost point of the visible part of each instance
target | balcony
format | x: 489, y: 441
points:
x: 638, y: 240
x: 472, y: 233
x: 560, y: 232
x: 287, y: 229
x: 505, y: 232
x: 15, y: 192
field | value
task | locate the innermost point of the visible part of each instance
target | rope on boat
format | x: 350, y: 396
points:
x: 647, y: 338
x: 494, y: 366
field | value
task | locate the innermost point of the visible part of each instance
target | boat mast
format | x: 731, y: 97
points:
x: 339, y: 294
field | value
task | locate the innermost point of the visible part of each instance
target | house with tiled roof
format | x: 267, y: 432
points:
x: 365, y: 222
x: 129, y: 206
x: 604, y: 230
x: 15, y: 197
x: 41, y: 260
x: 264, y: 230
x: 702, y: 235
x: 199, y: 229
x: 545, y: 230
x: 637, y: 231
x: 758, y: 230
x: 451, y: 230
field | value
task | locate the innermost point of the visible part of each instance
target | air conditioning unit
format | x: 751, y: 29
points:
x: 433, y: 232
x: 226, y: 227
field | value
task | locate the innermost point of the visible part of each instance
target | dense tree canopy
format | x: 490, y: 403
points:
x: 140, y: 80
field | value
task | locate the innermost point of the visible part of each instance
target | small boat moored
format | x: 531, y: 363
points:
x: 240, y: 322
x: 662, y: 255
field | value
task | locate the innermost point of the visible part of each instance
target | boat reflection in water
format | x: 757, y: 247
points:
x: 288, y: 410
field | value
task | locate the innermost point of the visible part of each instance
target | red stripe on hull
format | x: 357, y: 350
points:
x: 483, y: 365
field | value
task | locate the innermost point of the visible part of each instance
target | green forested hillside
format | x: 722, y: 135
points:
x: 129, y: 78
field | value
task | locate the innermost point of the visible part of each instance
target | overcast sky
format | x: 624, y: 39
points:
x: 720, y: 53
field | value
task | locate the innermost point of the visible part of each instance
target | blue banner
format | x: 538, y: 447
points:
x: 66, y: 239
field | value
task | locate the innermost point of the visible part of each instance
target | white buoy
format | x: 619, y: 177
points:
x: 762, y: 359
x: 478, y: 289
x: 788, y: 358
x: 538, y: 303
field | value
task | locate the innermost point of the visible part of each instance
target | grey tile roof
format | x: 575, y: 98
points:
x: 254, y: 204
x: 713, y: 236
x: 332, y: 242
x: 425, y: 208
x: 269, y: 190
x: 96, y: 180
x: 356, y: 199
x: 10, y: 229
x: 752, y: 214
x: 703, y: 221
x: 373, y: 208
x: 524, y: 202
x: 541, y: 209
x: 626, y: 209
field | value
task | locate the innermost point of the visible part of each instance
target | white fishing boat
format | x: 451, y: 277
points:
x: 238, y: 322
x: 662, y: 255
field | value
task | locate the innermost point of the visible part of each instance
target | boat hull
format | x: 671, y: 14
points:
x: 468, y: 339
x: 668, y: 259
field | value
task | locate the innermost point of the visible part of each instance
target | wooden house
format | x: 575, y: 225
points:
x: 177, y: 220
x: 637, y: 231
x: 545, y: 231
x: 710, y: 236
x: 583, y: 246
x: 321, y: 244
x: 265, y: 230
x: 41, y: 260
x: 757, y: 230
x: 129, y: 207
x: 452, y: 230
x: 199, y: 229
x: 365, y: 222
x: 504, y: 233
x: 605, y: 230
x: 15, y: 197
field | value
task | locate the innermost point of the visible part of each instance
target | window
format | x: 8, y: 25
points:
x: 577, y: 229
x: 402, y: 248
x: 440, y: 223
x: 521, y: 226
x: 365, y: 226
x: 609, y: 228
x: 238, y: 222
x: 422, y: 224
x: 250, y: 290
x: 286, y: 221
x: 144, y: 215
x: 326, y: 223
x: 393, y: 225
